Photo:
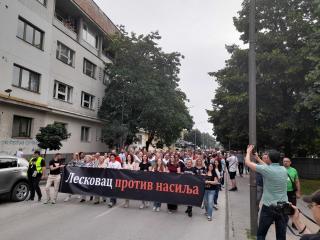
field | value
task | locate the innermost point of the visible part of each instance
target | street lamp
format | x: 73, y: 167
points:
x: 252, y: 114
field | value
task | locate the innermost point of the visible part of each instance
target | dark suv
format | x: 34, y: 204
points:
x: 13, y: 177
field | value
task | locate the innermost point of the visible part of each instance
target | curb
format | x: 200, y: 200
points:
x: 227, y: 222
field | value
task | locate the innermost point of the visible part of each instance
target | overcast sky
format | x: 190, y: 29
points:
x: 197, y: 29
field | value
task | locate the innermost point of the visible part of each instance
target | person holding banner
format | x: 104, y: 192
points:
x: 189, y: 170
x: 129, y: 164
x: 114, y: 165
x: 210, y: 190
x: 159, y: 166
x: 200, y: 168
x: 101, y: 164
x: 74, y: 162
x: 89, y: 163
x: 144, y: 166
x: 173, y: 167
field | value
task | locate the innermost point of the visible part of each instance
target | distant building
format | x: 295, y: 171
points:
x: 52, y: 58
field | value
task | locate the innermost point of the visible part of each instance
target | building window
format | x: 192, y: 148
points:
x: 21, y: 126
x: 90, y: 37
x: 89, y: 68
x: 65, y: 54
x: 62, y: 92
x: 87, y: 100
x: 85, y: 134
x: 30, y: 33
x: 26, y: 79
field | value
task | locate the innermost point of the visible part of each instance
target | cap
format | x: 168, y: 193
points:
x: 314, y: 197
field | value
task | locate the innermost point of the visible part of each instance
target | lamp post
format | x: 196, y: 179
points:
x: 252, y: 114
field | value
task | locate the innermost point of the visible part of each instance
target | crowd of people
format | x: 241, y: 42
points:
x: 210, y: 164
x: 276, y: 184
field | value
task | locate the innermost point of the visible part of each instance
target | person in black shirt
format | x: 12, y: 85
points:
x: 36, y: 172
x: 144, y: 166
x: 199, y: 168
x: 189, y: 170
x: 54, y: 177
x: 211, y: 184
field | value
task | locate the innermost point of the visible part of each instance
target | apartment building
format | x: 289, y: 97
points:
x: 52, y: 58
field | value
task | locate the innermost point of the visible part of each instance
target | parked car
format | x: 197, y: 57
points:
x: 13, y: 177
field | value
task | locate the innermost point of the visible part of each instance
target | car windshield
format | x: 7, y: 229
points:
x: 8, y: 162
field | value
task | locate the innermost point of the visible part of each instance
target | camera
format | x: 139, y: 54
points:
x: 284, y: 208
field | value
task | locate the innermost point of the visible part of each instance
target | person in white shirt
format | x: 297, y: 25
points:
x: 138, y: 157
x: 114, y: 165
x: 233, y: 165
x: 19, y: 153
x: 122, y: 155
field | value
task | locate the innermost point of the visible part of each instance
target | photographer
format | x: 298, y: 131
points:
x: 314, y: 205
x: 274, y: 196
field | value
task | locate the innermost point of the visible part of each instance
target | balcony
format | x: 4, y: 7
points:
x: 65, y: 19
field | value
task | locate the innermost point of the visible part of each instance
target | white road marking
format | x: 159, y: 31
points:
x: 109, y: 211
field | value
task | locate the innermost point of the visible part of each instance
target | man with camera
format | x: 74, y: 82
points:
x: 275, y: 201
x: 314, y: 204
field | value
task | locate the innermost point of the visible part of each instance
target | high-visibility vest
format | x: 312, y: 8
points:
x: 38, y: 164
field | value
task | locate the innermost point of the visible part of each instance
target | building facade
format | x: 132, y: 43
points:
x: 52, y: 59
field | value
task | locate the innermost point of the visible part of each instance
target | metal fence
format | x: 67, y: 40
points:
x: 308, y: 168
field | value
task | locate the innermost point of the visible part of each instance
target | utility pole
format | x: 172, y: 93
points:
x: 252, y: 114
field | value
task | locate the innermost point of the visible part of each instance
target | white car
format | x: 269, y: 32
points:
x: 13, y: 177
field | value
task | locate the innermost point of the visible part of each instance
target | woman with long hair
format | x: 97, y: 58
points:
x: 130, y: 164
x: 211, y: 182
x: 159, y: 166
x: 173, y: 167
x: 218, y: 171
x: 144, y: 166
x: 200, y: 167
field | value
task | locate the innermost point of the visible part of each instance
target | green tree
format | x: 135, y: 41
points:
x: 50, y: 137
x: 143, y: 92
x: 283, y: 30
x: 208, y: 141
x: 194, y: 136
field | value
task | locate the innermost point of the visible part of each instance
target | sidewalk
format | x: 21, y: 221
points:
x: 238, y: 209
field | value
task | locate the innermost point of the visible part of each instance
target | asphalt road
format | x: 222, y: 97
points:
x: 31, y: 220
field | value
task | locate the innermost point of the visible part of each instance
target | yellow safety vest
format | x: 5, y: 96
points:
x: 38, y: 164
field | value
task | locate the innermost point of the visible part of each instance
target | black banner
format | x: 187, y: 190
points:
x: 171, y: 188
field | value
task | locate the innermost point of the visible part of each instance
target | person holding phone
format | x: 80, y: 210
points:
x: 274, y: 192
x: 54, y: 177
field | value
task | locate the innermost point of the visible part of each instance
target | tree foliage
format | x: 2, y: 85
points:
x: 143, y: 92
x: 50, y: 137
x: 284, y: 120
x: 200, y: 139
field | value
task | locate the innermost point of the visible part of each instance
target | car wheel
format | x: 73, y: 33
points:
x: 20, y: 192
